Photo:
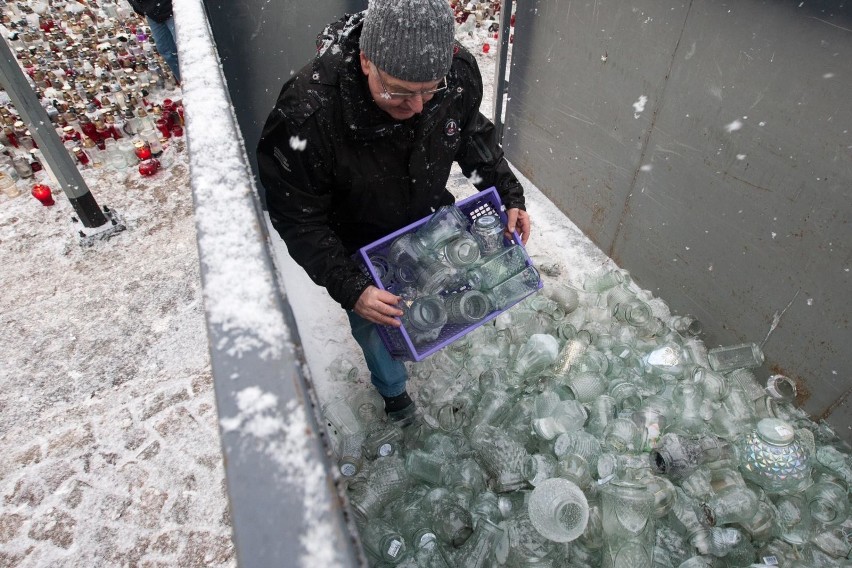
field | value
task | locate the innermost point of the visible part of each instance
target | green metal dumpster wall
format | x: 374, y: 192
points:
x: 707, y: 147
x: 261, y: 44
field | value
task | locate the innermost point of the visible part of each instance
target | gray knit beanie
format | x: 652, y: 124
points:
x: 411, y: 40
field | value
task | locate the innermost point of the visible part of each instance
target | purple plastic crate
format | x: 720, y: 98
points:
x: 397, y: 340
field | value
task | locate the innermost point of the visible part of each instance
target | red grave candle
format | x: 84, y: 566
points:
x: 149, y: 167
x: 143, y: 151
x: 42, y: 193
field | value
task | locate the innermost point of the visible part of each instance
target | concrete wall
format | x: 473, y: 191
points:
x: 707, y: 147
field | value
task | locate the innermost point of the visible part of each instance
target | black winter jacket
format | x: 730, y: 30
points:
x: 340, y: 173
x: 158, y: 10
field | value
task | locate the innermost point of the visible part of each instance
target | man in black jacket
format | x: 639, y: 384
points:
x: 162, y: 24
x: 360, y: 143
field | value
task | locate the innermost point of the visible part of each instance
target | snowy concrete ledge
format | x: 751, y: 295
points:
x: 283, y: 501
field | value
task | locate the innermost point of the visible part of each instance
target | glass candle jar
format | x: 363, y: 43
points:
x: 149, y: 167
x: 827, y: 502
x: 435, y: 277
x: 479, y: 548
x: 558, y: 510
x: 467, y: 307
x: 605, y: 279
x: 632, y: 312
x: 452, y: 523
x: 677, y: 456
x: 728, y: 358
x: 687, y: 325
x: 27, y: 141
x: 142, y: 150
x: 772, y: 457
x: 350, y: 456
x: 128, y: 151
x: 587, y: 386
x: 8, y: 185
x: 497, y: 267
x: 22, y: 166
x: 35, y: 160
x: 426, y: 313
x: 43, y: 194
x: 488, y: 231
x: 567, y: 416
x: 382, y: 540
x: 388, y: 479
x: 462, y: 251
x: 515, y: 288
x: 445, y: 224
x: 535, y: 355
x: 81, y: 155
x: 628, y: 525
x: 163, y: 126
x: 539, y: 467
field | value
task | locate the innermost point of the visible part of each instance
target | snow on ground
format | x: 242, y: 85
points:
x: 107, y: 420
x: 108, y: 425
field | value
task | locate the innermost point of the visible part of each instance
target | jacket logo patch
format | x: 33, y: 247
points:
x: 451, y: 128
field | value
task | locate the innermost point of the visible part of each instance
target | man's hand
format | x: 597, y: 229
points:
x: 518, y: 220
x: 378, y: 306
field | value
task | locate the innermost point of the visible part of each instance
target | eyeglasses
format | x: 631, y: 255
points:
x: 408, y: 94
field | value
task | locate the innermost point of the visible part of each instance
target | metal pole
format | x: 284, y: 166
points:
x: 502, y: 57
x: 60, y: 163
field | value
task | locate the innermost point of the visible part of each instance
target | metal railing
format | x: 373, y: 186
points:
x: 284, y: 501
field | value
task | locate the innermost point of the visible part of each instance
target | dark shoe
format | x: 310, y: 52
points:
x: 400, y: 409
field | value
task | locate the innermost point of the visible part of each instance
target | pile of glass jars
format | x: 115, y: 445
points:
x: 105, y: 88
x: 454, y: 271
x: 591, y: 427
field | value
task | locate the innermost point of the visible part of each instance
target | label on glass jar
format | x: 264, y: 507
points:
x: 425, y: 539
x: 770, y: 560
x: 783, y: 431
x: 394, y: 547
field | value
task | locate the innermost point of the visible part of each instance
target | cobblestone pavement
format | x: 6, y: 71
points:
x: 108, y: 434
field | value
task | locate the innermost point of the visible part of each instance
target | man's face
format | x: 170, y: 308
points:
x: 381, y: 84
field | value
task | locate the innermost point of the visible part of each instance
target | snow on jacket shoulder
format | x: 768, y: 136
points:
x: 340, y: 173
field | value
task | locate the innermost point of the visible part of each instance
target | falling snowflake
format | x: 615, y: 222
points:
x: 735, y: 125
x: 639, y: 106
x: 298, y: 144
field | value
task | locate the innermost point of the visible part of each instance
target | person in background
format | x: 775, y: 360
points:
x: 360, y: 143
x: 162, y: 24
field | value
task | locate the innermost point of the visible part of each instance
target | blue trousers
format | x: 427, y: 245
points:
x: 386, y: 373
x: 164, y: 38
